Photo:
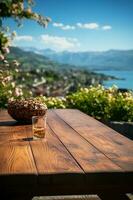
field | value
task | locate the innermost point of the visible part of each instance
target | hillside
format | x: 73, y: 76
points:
x: 43, y: 76
x: 106, y: 60
x: 30, y: 60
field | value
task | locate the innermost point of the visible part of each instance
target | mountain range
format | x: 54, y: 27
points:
x: 38, y: 71
x: 31, y: 60
x: 93, y: 60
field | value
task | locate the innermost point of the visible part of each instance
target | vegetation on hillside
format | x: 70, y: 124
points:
x: 48, y: 82
x: 41, y: 76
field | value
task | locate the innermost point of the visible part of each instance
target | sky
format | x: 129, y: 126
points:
x: 79, y: 25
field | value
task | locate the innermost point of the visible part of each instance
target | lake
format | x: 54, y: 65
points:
x: 126, y: 75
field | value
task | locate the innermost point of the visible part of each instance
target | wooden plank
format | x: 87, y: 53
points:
x: 50, y: 156
x: 54, y: 163
x: 16, y: 160
x: 88, y: 157
x: 11, y: 133
x: 4, y: 116
x: 115, y: 146
x: 11, y: 130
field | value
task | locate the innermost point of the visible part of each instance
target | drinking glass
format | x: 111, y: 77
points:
x: 39, y: 126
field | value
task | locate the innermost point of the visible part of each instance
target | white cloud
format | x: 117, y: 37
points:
x: 90, y: 26
x: 59, y: 43
x: 63, y: 27
x: 57, y: 24
x: 68, y: 27
x: 24, y: 38
x: 79, y: 24
x: 73, y: 39
x: 106, y: 27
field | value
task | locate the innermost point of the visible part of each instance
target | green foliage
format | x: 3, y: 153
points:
x: 53, y: 102
x: 30, y: 60
x: 121, y: 107
x: 93, y: 101
x: 98, y: 102
x: 103, y: 104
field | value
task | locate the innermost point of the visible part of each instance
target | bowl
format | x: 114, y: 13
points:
x: 23, y: 110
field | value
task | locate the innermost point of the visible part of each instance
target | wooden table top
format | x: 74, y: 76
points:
x: 78, y: 153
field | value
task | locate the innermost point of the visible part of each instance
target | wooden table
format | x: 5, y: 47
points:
x: 80, y: 155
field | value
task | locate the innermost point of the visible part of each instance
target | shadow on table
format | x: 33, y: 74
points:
x: 13, y: 123
x: 18, y: 133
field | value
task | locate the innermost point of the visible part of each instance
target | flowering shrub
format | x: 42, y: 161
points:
x: 93, y: 101
x: 17, y: 10
x: 101, y: 103
x: 121, y: 107
x: 54, y: 102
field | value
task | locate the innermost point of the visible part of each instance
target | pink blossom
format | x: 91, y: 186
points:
x: 1, y: 57
x: 5, y: 50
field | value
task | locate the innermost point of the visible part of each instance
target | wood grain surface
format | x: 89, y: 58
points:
x: 54, y: 163
x: 15, y: 152
x: 79, y: 155
x: 88, y: 157
x: 114, y: 146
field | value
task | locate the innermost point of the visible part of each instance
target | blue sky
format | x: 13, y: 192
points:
x: 80, y: 25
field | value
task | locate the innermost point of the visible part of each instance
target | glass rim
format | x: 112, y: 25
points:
x: 38, y: 116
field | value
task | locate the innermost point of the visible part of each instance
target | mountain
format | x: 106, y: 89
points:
x: 105, y: 60
x: 45, y: 52
x: 43, y: 76
x: 30, y: 60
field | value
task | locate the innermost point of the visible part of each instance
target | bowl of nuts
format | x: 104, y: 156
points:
x: 23, y: 110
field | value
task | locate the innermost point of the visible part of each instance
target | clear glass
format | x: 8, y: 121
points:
x: 39, y: 126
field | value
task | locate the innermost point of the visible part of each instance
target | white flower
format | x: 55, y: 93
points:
x: 48, y: 19
x: 18, y: 92
x: 16, y: 70
x: 9, y: 92
x: 13, y: 84
x: 14, y: 33
x: 15, y: 63
x: 5, y: 50
x: 29, y: 11
x: 1, y: 57
x: 3, y: 83
x: 8, y: 78
x: 35, y: 15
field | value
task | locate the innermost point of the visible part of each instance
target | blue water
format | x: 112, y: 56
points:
x: 126, y: 75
